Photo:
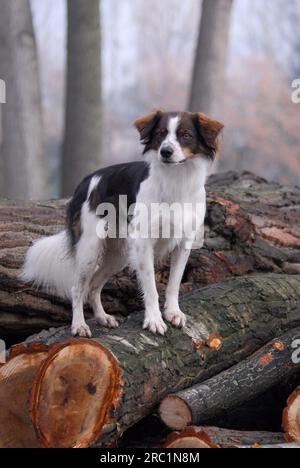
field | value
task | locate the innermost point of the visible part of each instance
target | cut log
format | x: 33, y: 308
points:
x: 252, y: 226
x: 291, y: 418
x: 273, y: 446
x: 82, y: 379
x: 16, y: 380
x: 213, y: 437
x: 79, y: 386
x: 245, y: 381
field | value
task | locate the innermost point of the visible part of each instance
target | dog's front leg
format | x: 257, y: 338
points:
x: 172, y: 311
x: 142, y: 256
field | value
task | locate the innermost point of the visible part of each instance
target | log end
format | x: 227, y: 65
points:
x: 291, y: 417
x: 175, y: 413
x: 75, y: 393
x: 190, y: 438
x: 16, y: 380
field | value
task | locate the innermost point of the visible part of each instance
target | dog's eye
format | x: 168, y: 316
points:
x: 187, y: 136
x: 161, y: 133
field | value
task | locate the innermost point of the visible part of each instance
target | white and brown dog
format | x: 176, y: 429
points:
x: 77, y: 263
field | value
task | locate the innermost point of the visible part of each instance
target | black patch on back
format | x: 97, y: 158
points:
x: 122, y: 179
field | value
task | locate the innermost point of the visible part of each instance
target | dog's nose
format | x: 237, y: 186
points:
x: 166, y: 153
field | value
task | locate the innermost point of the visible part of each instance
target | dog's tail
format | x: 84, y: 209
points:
x: 50, y: 264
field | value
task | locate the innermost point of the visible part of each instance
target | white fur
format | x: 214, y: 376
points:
x: 49, y: 264
x: 93, y: 184
x: 172, y: 142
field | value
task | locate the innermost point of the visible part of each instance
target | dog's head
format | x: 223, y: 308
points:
x: 178, y: 137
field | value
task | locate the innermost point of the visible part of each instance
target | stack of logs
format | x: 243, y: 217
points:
x: 241, y: 340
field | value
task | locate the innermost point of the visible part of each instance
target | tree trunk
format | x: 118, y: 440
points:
x: 243, y: 382
x: 208, y: 83
x: 291, y: 417
x: 99, y: 388
x: 82, y: 145
x: 22, y: 152
x: 213, y: 437
x: 251, y: 226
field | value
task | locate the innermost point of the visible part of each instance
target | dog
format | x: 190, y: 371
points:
x: 178, y: 150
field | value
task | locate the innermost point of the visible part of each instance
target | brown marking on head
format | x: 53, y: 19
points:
x: 210, y: 130
x: 146, y: 126
x: 196, y: 134
x: 187, y: 152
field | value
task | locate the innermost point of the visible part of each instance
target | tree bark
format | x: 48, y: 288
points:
x: 22, y: 151
x: 291, y: 417
x: 209, y: 76
x: 82, y: 145
x: 213, y: 437
x: 251, y: 226
x: 99, y: 388
x: 240, y: 384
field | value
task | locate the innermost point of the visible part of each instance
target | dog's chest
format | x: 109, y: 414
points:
x: 180, y: 214
x: 182, y: 189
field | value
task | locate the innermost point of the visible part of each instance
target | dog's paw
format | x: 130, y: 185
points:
x: 155, y: 325
x: 82, y: 330
x: 176, y: 318
x: 108, y: 321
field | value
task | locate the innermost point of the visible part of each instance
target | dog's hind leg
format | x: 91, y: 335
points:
x: 88, y: 251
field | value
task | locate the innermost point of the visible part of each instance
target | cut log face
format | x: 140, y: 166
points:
x: 214, y: 437
x: 76, y: 388
x: 192, y: 438
x: 175, y: 413
x: 16, y: 380
x: 291, y: 418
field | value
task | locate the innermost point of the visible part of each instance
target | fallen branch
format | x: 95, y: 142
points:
x: 93, y: 390
x: 243, y: 382
x: 291, y: 417
x: 213, y: 437
x: 252, y: 226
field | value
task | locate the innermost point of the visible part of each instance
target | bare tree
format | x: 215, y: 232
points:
x: 82, y: 145
x: 22, y: 149
x: 211, y: 57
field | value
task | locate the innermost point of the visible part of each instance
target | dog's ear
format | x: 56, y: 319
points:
x: 146, y: 126
x: 209, y: 131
